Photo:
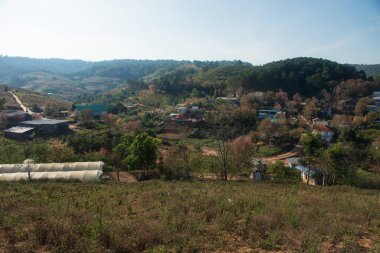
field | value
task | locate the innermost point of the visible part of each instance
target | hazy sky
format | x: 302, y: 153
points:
x: 347, y: 31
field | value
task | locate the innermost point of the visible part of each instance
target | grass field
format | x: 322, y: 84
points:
x: 159, y: 216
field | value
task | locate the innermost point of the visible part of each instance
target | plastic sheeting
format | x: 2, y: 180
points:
x: 46, y: 167
x: 82, y: 171
x: 89, y: 175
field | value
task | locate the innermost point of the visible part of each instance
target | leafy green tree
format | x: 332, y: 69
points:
x: 39, y: 152
x: 194, y: 93
x: 336, y: 163
x: 10, y: 152
x: 283, y: 172
x: 313, y: 148
x: 138, y: 151
x: 357, y: 146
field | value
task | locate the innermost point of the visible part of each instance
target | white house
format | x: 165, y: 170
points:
x: 325, y: 132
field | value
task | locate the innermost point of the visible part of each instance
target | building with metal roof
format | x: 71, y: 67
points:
x: 47, y: 126
x: 19, y: 133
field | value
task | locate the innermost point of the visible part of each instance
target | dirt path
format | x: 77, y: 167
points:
x: 125, y: 177
x: 24, y: 108
x: 292, y: 153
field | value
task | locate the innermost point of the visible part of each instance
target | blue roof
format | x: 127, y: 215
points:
x: 313, y: 170
x: 293, y: 160
x: 268, y: 110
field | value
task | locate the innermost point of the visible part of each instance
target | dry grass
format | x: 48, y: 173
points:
x: 159, y: 216
x: 10, y: 102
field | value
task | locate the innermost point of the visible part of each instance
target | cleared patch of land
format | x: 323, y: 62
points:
x: 159, y: 216
x: 10, y: 102
x: 31, y: 99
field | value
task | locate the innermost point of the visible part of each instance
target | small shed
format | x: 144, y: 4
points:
x: 311, y: 174
x: 19, y: 133
x: 259, y: 168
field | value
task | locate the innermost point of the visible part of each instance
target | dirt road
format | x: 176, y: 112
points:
x: 292, y: 153
x: 24, y: 108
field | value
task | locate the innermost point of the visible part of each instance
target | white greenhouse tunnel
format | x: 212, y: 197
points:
x: 81, y: 171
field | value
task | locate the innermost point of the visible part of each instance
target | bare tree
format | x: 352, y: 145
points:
x: 224, y: 131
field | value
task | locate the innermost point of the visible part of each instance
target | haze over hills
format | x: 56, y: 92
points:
x: 67, y: 79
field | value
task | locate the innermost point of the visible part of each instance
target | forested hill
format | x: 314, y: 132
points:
x: 370, y: 69
x: 304, y: 75
x: 69, y: 78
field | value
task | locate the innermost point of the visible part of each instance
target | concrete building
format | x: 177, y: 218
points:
x: 47, y: 126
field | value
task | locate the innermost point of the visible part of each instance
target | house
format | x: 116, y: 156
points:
x: 182, y: 110
x: 267, y: 114
x: 47, y: 126
x: 325, y: 132
x: 311, y: 174
x: 376, y: 99
x: 97, y: 109
x: 292, y: 162
x: 232, y: 100
x: 19, y: 133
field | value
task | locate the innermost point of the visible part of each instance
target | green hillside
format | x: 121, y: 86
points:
x: 370, y: 69
x: 68, y: 79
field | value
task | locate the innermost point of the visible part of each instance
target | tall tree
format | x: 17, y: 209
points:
x: 336, y: 163
x: 313, y: 147
x: 224, y: 130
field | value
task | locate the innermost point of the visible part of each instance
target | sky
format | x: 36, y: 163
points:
x: 346, y: 31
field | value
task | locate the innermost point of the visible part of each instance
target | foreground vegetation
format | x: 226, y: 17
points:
x: 159, y: 216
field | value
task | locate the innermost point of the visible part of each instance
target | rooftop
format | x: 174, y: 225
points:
x: 18, y: 129
x: 322, y: 128
x: 44, y: 122
x: 16, y: 113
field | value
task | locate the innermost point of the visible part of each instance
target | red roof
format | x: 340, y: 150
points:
x: 180, y: 116
x: 322, y: 128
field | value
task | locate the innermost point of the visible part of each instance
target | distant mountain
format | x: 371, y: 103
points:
x: 67, y: 79
x: 369, y: 69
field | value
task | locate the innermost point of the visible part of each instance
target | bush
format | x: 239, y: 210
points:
x: 283, y: 172
x: 268, y: 151
x: 367, y: 180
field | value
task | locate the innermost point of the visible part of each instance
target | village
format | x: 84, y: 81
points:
x: 189, y: 120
